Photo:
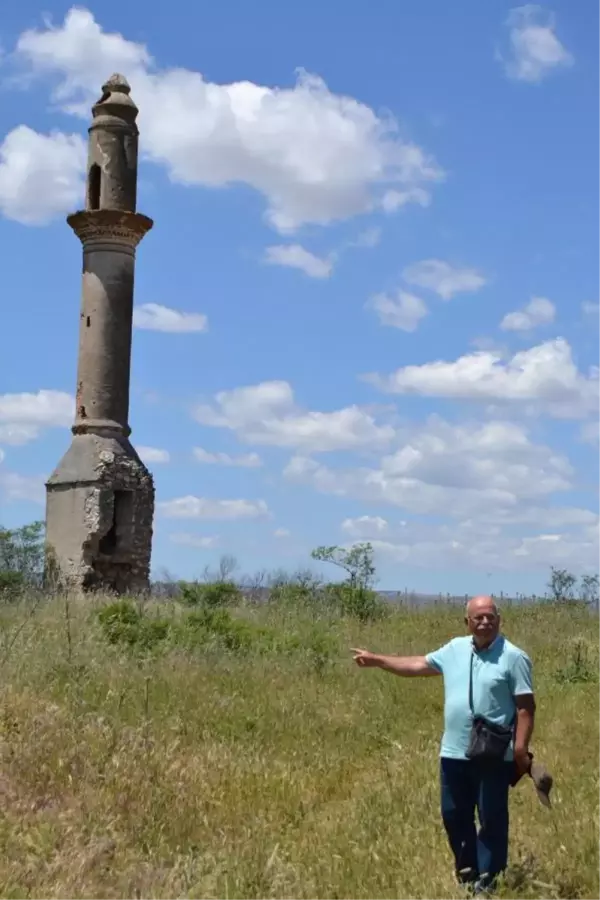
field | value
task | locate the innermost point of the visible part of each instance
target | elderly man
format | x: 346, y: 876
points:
x: 489, y: 714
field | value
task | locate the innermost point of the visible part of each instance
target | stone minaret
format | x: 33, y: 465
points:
x: 100, y: 498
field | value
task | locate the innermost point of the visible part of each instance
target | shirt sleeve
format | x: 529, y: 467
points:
x: 437, y: 659
x: 521, y: 675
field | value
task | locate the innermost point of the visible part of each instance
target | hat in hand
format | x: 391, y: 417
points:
x: 542, y: 780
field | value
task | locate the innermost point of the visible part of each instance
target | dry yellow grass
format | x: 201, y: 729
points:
x: 210, y: 775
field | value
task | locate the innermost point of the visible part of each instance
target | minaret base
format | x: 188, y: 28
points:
x: 99, y: 511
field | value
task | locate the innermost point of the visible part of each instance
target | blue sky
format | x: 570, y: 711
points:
x: 368, y: 308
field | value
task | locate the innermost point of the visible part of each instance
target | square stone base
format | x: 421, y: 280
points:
x: 99, y: 512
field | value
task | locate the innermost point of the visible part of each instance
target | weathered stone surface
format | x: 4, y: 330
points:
x: 113, y: 149
x: 100, y: 506
x: 100, y: 498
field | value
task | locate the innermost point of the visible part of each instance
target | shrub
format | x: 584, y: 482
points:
x: 12, y: 585
x: 213, y: 594
x: 357, y: 602
x: 214, y: 625
x: 122, y: 623
x: 581, y: 667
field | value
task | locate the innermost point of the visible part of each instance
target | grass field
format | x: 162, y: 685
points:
x: 280, y: 771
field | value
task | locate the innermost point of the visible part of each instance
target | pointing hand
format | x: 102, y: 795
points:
x: 364, y: 658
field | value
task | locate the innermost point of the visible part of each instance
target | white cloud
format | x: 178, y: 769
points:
x: 492, y: 471
x: 405, y: 311
x: 153, y: 455
x: 44, y: 408
x: 24, y: 415
x: 539, y: 311
x: 281, y: 533
x: 266, y: 413
x: 545, y: 375
x: 22, y: 487
x: 443, y: 279
x: 154, y: 317
x: 203, y: 542
x: 590, y: 309
x: 394, y: 200
x: 535, y: 49
x: 472, y: 546
x: 315, y: 156
x: 590, y: 432
x: 365, y: 526
x: 41, y: 175
x: 18, y: 434
x: 296, y: 257
x: 191, y: 507
x: 368, y: 238
x: 245, y: 461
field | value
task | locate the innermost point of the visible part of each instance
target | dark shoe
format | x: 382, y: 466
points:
x: 467, y: 876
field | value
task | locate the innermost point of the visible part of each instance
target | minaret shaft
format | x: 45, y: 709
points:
x: 103, y: 370
x: 100, y: 498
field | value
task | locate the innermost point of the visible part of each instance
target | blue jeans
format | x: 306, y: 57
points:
x: 467, y: 786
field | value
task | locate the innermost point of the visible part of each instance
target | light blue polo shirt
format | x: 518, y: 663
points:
x: 500, y: 672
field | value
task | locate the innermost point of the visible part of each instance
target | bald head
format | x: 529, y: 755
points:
x: 480, y: 603
x: 482, y: 619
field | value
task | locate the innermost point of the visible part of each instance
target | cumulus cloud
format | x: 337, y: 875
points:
x: 14, y: 486
x: 153, y: 455
x: 281, y: 533
x: 202, y: 542
x: 368, y: 238
x: 404, y: 311
x: 475, y: 547
x: 296, y: 257
x: 443, y: 279
x: 539, y: 311
x: 393, y: 200
x: 191, y: 507
x: 489, y: 471
x: 23, y: 416
x: 18, y: 434
x: 266, y: 413
x: 590, y: 432
x: 534, y: 49
x: 154, y: 317
x: 590, y: 309
x: 315, y: 156
x: 365, y: 526
x: 245, y: 461
x: 544, y: 376
x: 41, y: 175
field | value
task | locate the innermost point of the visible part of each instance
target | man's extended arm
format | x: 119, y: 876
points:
x: 407, y: 666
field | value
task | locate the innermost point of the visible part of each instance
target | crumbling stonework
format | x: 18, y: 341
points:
x: 100, y: 498
x: 100, y: 505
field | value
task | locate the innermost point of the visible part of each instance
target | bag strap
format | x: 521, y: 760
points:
x: 471, y: 683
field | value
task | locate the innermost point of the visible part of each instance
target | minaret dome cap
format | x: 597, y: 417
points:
x: 115, y: 99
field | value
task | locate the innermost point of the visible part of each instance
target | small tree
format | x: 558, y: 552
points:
x: 228, y: 564
x: 589, y: 589
x: 356, y: 561
x: 561, y: 585
x: 22, y: 552
x: 353, y: 596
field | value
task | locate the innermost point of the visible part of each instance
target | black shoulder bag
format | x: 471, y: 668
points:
x: 486, y: 741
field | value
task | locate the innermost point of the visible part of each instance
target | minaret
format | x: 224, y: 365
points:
x: 100, y: 498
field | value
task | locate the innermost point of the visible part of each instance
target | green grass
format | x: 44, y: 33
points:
x: 279, y: 771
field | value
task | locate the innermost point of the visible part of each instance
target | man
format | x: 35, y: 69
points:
x: 500, y: 677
